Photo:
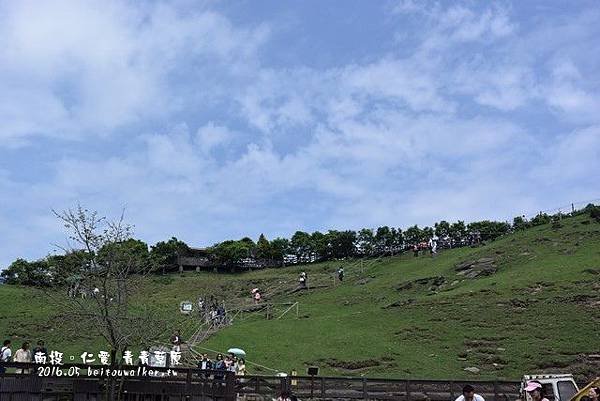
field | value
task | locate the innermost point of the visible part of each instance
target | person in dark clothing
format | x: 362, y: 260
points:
x: 40, y: 353
x: 416, y: 250
x: 341, y: 273
x: 219, y: 365
x: 205, y: 364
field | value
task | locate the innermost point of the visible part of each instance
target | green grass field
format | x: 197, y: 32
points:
x: 393, y: 317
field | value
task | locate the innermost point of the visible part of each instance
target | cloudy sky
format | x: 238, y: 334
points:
x: 218, y: 119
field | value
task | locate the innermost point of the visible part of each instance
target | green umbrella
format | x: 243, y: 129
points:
x: 237, y: 352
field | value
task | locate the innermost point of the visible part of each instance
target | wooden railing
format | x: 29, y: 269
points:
x: 44, y: 382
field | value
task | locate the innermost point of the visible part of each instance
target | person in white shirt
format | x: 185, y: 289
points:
x: 23, y: 354
x: 469, y: 394
x: 5, y: 355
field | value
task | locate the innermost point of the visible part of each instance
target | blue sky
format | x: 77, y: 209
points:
x: 215, y: 120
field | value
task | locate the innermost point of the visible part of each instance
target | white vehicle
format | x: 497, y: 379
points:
x: 557, y: 387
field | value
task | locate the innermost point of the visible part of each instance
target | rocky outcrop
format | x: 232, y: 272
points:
x: 476, y: 268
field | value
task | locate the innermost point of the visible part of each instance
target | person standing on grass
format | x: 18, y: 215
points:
x: 23, y: 355
x: 340, y: 273
x: 5, y: 355
x: 468, y: 394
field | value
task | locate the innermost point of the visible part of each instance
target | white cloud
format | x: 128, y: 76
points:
x: 90, y: 67
x: 211, y: 136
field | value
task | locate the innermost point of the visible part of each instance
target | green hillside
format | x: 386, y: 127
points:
x: 527, y: 302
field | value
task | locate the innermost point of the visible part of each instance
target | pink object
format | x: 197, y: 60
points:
x: 531, y: 385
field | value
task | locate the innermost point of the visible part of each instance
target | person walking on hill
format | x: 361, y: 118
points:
x: 415, y: 249
x: 302, y: 281
x: 176, y: 341
x: 5, y: 355
x: 432, y: 246
x: 23, y: 354
x: 468, y: 394
x: 340, y: 273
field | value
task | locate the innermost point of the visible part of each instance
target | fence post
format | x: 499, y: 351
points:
x: 188, y: 382
x: 282, y: 384
x: 496, y: 390
x: 364, y: 385
x: 407, y: 388
x: 229, y: 387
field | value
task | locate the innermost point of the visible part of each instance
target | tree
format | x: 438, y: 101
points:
x: 594, y: 212
x: 342, y: 244
x: 442, y: 229
x: 383, y: 239
x: 541, y: 218
x: 458, y: 232
x: 489, y: 230
x: 279, y: 248
x: 301, y: 246
x: 413, y: 235
x: 366, y: 242
x: 520, y: 223
x: 398, y: 240
x: 111, y: 276
x: 319, y: 246
x: 165, y: 255
x: 135, y: 253
x: 22, y: 272
x: 263, y: 248
x: 231, y: 253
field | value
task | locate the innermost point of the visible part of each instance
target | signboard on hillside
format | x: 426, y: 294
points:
x: 186, y: 307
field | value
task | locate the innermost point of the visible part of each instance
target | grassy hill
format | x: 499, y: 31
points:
x: 527, y: 302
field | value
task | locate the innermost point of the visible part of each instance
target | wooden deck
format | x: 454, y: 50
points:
x: 196, y: 385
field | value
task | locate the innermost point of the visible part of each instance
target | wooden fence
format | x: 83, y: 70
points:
x: 197, y: 385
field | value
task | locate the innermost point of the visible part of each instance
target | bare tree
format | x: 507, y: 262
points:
x: 107, y: 295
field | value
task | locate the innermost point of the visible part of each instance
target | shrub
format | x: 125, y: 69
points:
x: 595, y: 213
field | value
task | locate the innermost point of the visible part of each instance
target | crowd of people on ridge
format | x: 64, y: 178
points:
x: 211, y: 311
